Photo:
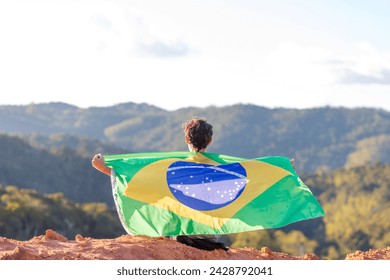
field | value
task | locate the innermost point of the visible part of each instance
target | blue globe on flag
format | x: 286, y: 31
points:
x: 206, y: 187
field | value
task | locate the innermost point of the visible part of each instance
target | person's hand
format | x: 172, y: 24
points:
x: 98, y: 161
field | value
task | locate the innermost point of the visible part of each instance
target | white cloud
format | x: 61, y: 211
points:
x: 296, y: 65
x: 365, y: 65
x: 163, y: 49
x: 123, y: 29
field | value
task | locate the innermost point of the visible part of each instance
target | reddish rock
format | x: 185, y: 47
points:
x: 51, y: 234
x: 54, y: 246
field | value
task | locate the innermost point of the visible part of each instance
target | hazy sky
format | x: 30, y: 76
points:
x: 177, y: 53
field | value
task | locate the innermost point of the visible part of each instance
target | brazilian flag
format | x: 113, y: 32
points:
x: 188, y: 193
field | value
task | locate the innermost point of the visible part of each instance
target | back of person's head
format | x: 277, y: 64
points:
x: 198, y: 132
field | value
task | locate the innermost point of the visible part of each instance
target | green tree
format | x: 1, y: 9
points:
x: 295, y: 242
x: 255, y: 239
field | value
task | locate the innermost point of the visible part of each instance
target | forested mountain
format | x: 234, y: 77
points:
x: 357, y: 206
x: 320, y: 138
x: 49, y: 171
x: 25, y: 213
x: 81, y: 145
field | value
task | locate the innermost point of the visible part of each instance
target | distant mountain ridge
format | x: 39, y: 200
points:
x: 319, y: 138
x: 50, y: 171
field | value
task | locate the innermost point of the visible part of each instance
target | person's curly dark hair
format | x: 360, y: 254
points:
x: 199, y: 132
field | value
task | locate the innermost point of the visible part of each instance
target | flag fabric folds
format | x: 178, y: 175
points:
x: 188, y: 193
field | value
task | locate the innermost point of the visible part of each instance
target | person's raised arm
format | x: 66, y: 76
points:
x: 99, y: 164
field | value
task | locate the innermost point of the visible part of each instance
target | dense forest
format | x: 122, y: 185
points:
x: 343, y: 155
x: 60, y: 169
x: 25, y: 213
